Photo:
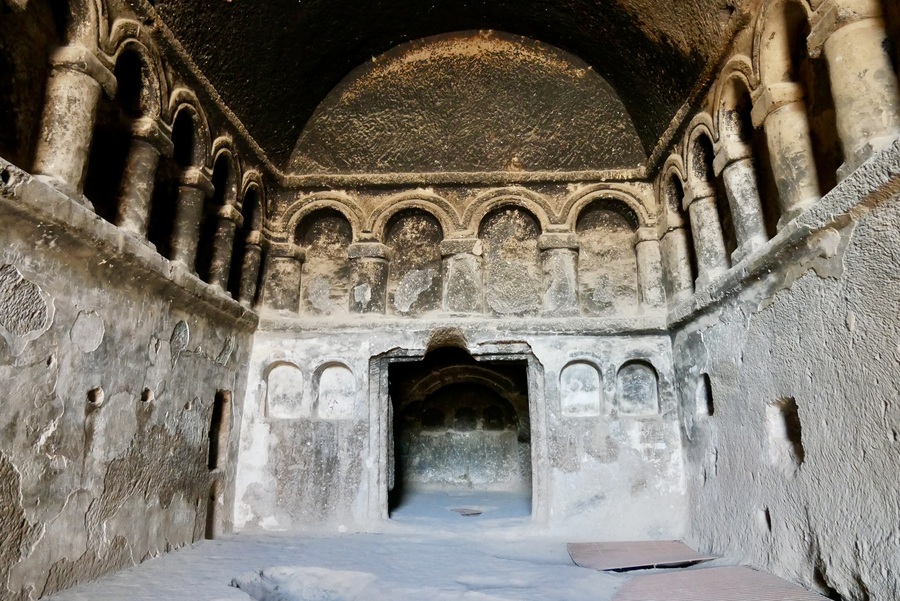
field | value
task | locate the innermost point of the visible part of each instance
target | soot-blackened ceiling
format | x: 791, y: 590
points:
x: 273, y: 62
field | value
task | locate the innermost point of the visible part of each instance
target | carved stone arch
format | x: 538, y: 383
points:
x: 701, y: 125
x: 284, y: 396
x: 577, y: 202
x: 455, y: 374
x: 673, y: 168
x: 335, y: 387
x: 433, y: 204
x: 638, y: 387
x: 740, y: 68
x: 183, y: 99
x: 223, y: 150
x: 764, y: 32
x: 253, y: 179
x: 303, y: 207
x: 129, y: 35
x: 537, y: 204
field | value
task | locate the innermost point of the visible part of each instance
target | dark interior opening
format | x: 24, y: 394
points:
x: 460, y: 427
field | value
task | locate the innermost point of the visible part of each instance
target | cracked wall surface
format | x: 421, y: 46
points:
x: 796, y: 468
x: 109, y: 384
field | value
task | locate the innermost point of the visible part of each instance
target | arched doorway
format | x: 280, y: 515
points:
x: 461, y: 437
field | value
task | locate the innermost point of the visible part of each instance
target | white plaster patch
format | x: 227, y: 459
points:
x: 88, y: 331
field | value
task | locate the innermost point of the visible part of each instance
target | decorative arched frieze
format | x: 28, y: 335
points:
x: 433, y: 204
x: 183, y: 99
x: 128, y: 35
x: 514, y: 196
x: 341, y: 202
x: 636, y: 206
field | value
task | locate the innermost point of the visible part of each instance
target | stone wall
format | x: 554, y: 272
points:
x: 112, y: 360
x: 605, y: 445
x: 790, y: 402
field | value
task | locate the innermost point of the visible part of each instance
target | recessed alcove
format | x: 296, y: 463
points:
x: 460, y: 430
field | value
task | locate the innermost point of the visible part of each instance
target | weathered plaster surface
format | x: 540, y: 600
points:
x: 812, y: 498
x: 110, y: 381
x: 587, y: 466
x: 469, y: 102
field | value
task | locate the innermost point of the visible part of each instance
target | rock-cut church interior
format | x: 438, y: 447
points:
x: 309, y: 274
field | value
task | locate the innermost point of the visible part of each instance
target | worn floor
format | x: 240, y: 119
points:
x: 426, y: 552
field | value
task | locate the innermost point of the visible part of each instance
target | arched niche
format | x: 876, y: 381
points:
x: 284, y: 392
x: 110, y: 147
x: 580, y: 390
x: 607, y: 263
x: 701, y: 156
x: 244, y: 275
x: 27, y: 38
x: 414, y: 281
x: 225, y: 189
x: 325, y: 281
x: 189, y: 151
x: 511, y: 261
x: 637, y: 389
x: 336, y: 393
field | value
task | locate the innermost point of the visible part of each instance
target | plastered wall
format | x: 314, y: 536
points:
x: 796, y: 470
x: 109, y: 383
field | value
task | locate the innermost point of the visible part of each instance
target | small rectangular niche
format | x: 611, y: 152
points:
x: 785, y: 435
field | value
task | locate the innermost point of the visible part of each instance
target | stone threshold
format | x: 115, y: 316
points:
x: 650, y: 323
x: 53, y: 213
x: 876, y: 180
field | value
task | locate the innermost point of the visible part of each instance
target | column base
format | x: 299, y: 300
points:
x: 747, y: 248
x: 705, y: 279
x: 65, y: 188
x: 863, y: 154
x: 795, y: 212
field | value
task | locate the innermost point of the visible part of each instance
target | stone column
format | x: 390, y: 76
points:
x: 781, y: 110
x: 228, y: 219
x: 709, y: 242
x: 281, y: 280
x: 368, y: 276
x: 559, y: 263
x: 734, y: 161
x: 462, y: 278
x: 250, y: 268
x: 863, y: 83
x: 193, y: 189
x: 676, y: 260
x: 76, y: 81
x: 148, y: 143
x: 649, y: 269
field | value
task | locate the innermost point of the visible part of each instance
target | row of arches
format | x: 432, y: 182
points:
x: 582, y: 394
x: 510, y: 266
x: 812, y: 97
x: 114, y: 133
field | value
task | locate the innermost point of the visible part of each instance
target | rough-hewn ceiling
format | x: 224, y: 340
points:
x: 274, y: 61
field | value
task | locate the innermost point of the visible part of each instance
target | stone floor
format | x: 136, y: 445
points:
x: 426, y: 552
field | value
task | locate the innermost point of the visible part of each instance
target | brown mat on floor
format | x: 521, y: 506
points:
x: 713, y: 584
x: 634, y: 555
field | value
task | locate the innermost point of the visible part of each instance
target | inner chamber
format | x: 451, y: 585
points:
x: 461, y: 435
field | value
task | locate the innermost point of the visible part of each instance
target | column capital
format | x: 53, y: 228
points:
x: 835, y: 14
x: 192, y: 177
x: 287, y: 250
x: 255, y: 238
x: 770, y: 98
x: 645, y: 234
x: 697, y: 191
x: 552, y: 240
x: 231, y: 213
x: 80, y: 59
x: 368, y: 250
x: 152, y: 132
x: 731, y: 151
x: 458, y: 246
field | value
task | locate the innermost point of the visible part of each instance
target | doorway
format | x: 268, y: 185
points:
x: 461, y: 437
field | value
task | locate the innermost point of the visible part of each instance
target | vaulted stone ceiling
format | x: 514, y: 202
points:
x: 273, y: 62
